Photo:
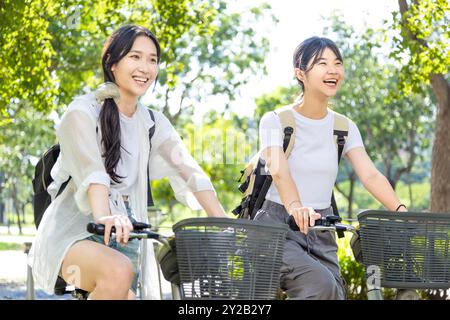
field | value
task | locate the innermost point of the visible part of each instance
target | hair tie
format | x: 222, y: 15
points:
x: 107, y: 90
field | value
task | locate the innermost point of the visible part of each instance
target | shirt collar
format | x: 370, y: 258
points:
x: 141, y: 109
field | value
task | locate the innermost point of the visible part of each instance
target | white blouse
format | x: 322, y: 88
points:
x: 65, y: 220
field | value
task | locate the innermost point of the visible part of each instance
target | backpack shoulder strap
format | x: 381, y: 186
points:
x: 249, y: 169
x: 151, y: 132
x: 340, y: 132
x: 287, y: 119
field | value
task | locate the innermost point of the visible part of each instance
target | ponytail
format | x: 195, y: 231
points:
x: 110, y: 127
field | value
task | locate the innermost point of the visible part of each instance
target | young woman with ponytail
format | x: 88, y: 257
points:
x: 303, y: 182
x: 104, y: 140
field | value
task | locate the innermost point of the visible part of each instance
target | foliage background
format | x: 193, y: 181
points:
x: 50, y: 52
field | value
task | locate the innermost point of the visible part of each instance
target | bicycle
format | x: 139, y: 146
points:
x: 406, y: 251
x: 332, y: 224
x: 221, y: 258
x: 218, y: 257
x: 140, y: 231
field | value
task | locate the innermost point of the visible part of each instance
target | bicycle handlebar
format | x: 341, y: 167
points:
x: 328, y: 223
x: 138, y: 232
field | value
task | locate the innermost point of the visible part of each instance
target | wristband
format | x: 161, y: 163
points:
x: 401, y: 205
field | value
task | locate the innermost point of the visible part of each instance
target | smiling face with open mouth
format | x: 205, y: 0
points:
x: 326, y: 75
x: 137, y: 70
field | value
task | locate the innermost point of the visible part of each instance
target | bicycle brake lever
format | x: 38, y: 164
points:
x: 293, y: 225
x: 333, y: 219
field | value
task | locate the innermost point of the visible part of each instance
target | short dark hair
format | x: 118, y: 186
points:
x: 311, y: 49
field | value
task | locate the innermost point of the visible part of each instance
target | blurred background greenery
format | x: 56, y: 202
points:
x: 399, y: 99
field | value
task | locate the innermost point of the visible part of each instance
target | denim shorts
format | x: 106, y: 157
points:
x: 131, y: 250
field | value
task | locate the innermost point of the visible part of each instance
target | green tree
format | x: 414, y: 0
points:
x: 281, y: 96
x: 54, y: 49
x: 215, y: 62
x: 222, y: 149
x: 28, y: 134
x: 26, y: 55
x: 396, y: 131
x: 422, y: 47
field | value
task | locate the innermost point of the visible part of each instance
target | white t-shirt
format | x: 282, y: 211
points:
x: 127, y: 167
x: 313, y: 159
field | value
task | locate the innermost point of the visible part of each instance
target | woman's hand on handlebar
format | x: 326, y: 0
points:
x: 304, y: 217
x: 123, y: 227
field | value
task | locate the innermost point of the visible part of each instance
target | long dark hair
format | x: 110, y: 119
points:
x: 312, y: 49
x: 115, y: 48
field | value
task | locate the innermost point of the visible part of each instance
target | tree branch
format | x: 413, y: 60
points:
x: 184, y: 94
x: 165, y: 109
x: 403, y: 5
x: 351, y: 177
x: 341, y: 191
x: 412, y: 157
x: 439, y: 84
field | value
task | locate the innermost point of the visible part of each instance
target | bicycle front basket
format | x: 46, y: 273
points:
x: 222, y: 258
x: 408, y: 249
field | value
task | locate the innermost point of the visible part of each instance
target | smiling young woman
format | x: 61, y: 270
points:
x: 303, y: 183
x: 104, y: 141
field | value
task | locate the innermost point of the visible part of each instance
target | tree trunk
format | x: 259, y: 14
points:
x: 22, y: 209
x: 411, y: 199
x: 16, y: 206
x: 388, y: 173
x: 352, y: 178
x: 349, y: 196
x: 2, y: 203
x: 440, y: 163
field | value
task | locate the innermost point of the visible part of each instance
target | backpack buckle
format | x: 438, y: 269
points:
x: 341, y: 140
x: 288, y: 130
x: 242, y: 174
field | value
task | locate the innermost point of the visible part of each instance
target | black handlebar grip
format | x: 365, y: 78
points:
x: 320, y: 222
x: 140, y: 226
x: 293, y: 225
x: 92, y: 228
x: 333, y: 219
x: 323, y: 221
x: 98, y: 229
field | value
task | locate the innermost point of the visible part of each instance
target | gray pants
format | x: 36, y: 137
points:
x: 310, y: 268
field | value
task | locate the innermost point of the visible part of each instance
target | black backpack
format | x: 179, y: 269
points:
x: 42, y: 179
x: 257, y: 181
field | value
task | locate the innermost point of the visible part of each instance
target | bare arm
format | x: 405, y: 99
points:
x: 99, y: 202
x: 210, y: 203
x: 372, y: 179
x: 279, y: 169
